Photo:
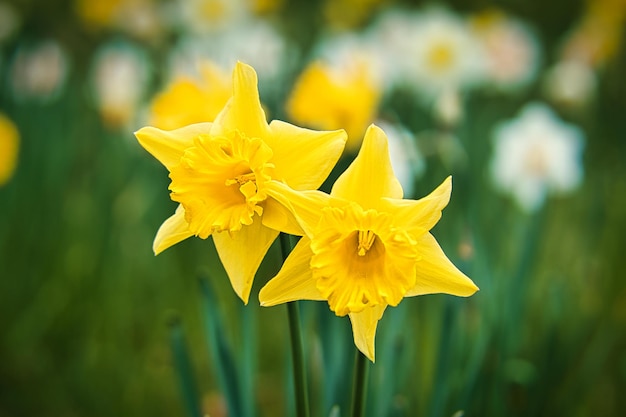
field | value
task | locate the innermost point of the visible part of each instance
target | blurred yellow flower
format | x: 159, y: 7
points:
x: 97, y: 14
x: 9, y: 145
x: 365, y: 247
x: 220, y: 172
x: 266, y: 6
x: 326, y: 99
x: 186, y: 101
x: 346, y: 14
x: 597, y: 37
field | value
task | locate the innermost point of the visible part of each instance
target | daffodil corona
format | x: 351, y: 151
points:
x: 220, y: 172
x: 220, y: 182
x: 364, y: 247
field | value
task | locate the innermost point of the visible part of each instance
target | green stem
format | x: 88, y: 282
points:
x: 285, y: 245
x: 184, y: 369
x: 359, y: 385
x: 299, y: 375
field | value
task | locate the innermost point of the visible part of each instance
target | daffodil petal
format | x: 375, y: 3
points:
x: 317, y: 153
x: 364, y: 329
x: 294, y: 281
x: 370, y: 177
x: 243, y: 111
x: 241, y: 254
x: 278, y: 217
x: 306, y: 206
x: 173, y: 230
x: 421, y: 215
x: 436, y: 274
x: 169, y: 145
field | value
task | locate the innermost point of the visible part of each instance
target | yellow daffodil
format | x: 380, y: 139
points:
x: 186, y: 101
x: 365, y: 247
x: 220, y: 172
x: 333, y: 98
x: 9, y: 144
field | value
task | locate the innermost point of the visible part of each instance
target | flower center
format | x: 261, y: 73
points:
x: 440, y: 56
x: 360, y: 259
x: 213, y: 10
x: 365, y: 240
x: 242, y: 179
x: 220, y: 182
x: 535, y: 161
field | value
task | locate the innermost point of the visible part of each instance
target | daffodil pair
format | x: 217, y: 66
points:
x: 243, y: 181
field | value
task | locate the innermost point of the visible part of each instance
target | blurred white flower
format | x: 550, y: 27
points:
x: 536, y: 154
x: 432, y: 51
x: 350, y: 52
x: 571, y: 83
x: 142, y: 18
x: 448, y: 107
x: 119, y: 77
x: 255, y: 42
x: 406, y: 159
x: 39, y: 71
x: 9, y: 21
x: 512, y: 50
x: 210, y: 16
x: 389, y: 31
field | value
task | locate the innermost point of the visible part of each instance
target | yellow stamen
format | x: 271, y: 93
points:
x: 366, y: 240
x: 441, y: 56
x: 535, y: 161
x: 241, y: 179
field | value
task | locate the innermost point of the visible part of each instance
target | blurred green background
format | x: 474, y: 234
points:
x: 90, y: 320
